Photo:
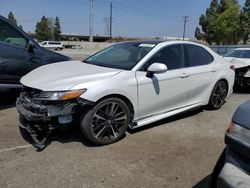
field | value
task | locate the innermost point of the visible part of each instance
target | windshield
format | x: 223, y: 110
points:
x: 121, y: 56
x: 239, y: 54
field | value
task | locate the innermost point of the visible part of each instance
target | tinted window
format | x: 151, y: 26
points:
x: 196, y: 56
x: 239, y: 54
x: 171, y: 56
x: 11, y: 35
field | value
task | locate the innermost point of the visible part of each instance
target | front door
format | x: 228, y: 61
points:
x: 166, y: 91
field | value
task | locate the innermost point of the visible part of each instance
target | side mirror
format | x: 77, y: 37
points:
x: 30, y: 46
x: 156, y: 68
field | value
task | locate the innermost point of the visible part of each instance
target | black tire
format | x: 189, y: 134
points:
x: 218, y: 95
x: 106, y: 122
x: 217, y: 169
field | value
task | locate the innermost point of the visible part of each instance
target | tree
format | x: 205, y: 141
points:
x: 214, y: 22
x: 226, y: 4
x: 12, y: 18
x: 227, y: 25
x: 57, y: 29
x: 43, y: 32
x: 206, y: 22
x: 198, y: 34
x: 245, y: 22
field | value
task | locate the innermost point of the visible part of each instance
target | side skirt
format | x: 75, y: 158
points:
x: 151, y: 119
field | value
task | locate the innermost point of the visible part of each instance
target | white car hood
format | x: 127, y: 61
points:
x: 238, y: 62
x: 64, y: 75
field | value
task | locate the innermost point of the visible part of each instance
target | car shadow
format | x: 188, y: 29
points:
x: 204, y: 183
x: 70, y: 135
x: 168, y: 120
x: 8, y: 98
x: 74, y: 133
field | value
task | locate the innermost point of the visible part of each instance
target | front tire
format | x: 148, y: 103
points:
x: 218, y: 95
x: 106, y: 122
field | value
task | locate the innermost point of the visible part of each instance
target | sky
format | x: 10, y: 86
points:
x: 131, y: 18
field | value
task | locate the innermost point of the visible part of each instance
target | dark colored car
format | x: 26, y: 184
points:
x: 19, y: 54
x: 233, y: 166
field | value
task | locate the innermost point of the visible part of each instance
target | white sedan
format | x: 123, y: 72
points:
x: 240, y: 58
x: 127, y: 85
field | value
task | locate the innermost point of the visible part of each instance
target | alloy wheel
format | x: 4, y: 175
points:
x: 219, y: 94
x: 109, y: 121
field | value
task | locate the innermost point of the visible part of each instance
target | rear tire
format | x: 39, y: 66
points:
x: 106, y: 122
x: 218, y: 95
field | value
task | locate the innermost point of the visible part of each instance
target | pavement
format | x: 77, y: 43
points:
x: 179, y: 151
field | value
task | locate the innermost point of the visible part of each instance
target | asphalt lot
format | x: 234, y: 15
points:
x: 180, y: 151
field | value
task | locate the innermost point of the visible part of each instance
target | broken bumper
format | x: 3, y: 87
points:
x: 53, y: 113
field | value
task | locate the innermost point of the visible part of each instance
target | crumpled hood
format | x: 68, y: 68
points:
x: 64, y: 75
x: 238, y: 62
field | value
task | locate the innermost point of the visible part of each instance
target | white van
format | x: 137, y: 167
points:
x: 52, y: 45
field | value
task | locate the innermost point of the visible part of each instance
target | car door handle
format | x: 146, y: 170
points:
x: 184, y: 75
x: 213, y: 70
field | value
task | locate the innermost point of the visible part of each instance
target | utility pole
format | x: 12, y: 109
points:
x: 110, y: 21
x: 184, y: 29
x: 90, y: 20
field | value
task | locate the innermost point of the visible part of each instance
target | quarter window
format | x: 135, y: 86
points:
x: 11, y: 35
x: 196, y: 56
x: 171, y: 56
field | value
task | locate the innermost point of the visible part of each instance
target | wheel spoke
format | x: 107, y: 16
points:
x: 111, y: 111
x: 98, y: 126
x: 113, y: 131
x: 99, y: 117
x: 100, y: 132
x: 120, y: 118
x: 119, y: 114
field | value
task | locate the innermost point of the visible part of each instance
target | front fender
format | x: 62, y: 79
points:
x: 124, y: 84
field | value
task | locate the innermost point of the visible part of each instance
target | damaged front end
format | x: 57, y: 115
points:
x: 242, y: 76
x: 41, y: 112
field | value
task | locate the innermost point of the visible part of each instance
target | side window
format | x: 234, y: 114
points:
x: 11, y: 35
x: 196, y: 56
x: 246, y: 54
x: 171, y: 56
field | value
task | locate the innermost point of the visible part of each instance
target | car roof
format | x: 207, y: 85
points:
x: 160, y: 42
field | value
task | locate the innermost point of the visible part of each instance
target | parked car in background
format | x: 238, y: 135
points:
x: 240, y: 58
x: 233, y: 166
x: 54, y: 45
x: 19, y: 54
x: 129, y: 84
x: 76, y: 47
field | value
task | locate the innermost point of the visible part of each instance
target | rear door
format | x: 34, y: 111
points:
x: 200, y: 73
x: 15, y: 58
